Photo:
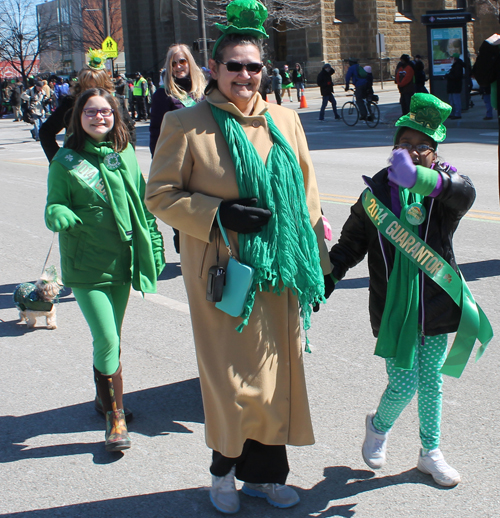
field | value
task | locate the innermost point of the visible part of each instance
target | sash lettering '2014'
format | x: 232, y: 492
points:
x: 474, y: 324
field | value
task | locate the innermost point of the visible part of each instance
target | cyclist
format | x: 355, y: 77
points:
x: 358, y: 76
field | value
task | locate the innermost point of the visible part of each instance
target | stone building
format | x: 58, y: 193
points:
x: 341, y: 29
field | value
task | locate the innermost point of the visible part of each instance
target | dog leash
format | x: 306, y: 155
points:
x: 48, y: 255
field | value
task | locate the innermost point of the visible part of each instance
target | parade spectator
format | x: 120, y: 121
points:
x: 276, y: 83
x: 95, y: 202
x: 94, y: 75
x: 420, y: 77
x: 254, y: 395
x: 121, y: 90
x: 413, y: 205
x: 286, y: 83
x: 454, y: 79
x: 486, y: 95
x: 35, y: 98
x: 140, y: 94
x: 486, y: 70
x: 357, y: 75
x: 325, y: 83
x: 15, y: 100
x: 298, y: 80
x: 406, y: 82
x: 151, y: 91
x: 183, y: 86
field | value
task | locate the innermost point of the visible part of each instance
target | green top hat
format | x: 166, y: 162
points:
x: 427, y: 114
x: 244, y: 17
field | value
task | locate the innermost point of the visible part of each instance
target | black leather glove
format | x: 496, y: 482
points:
x: 240, y: 216
x: 329, y: 287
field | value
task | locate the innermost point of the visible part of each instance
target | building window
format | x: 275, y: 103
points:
x: 461, y: 4
x: 404, y: 6
x: 344, y: 11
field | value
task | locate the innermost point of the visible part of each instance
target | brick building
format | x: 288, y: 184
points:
x: 343, y: 29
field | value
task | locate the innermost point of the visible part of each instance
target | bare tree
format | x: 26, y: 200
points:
x: 93, y: 31
x: 20, y: 43
x: 292, y: 14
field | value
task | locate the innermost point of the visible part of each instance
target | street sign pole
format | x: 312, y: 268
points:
x: 380, y: 50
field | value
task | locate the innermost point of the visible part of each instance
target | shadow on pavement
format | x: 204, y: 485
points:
x: 157, y: 411
x: 340, y: 482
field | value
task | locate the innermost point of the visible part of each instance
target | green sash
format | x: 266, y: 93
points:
x: 84, y: 171
x: 474, y: 324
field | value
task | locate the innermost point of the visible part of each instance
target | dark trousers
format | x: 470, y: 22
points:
x: 257, y: 464
x: 326, y: 99
x: 405, y: 101
x: 360, y: 94
x: 277, y: 94
x: 140, y: 106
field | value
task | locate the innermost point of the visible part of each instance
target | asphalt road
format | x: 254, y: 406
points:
x: 52, y: 458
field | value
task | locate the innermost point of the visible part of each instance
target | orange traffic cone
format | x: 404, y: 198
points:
x: 303, y: 102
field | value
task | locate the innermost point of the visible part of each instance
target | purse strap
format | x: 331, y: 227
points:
x: 224, y: 235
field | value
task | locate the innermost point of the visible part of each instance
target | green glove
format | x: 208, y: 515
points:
x: 61, y: 218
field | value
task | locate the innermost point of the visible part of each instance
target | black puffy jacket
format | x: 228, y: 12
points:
x: 359, y: 236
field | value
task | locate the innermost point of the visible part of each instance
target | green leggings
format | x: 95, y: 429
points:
x: 403, y: 384
x: 104, y: 309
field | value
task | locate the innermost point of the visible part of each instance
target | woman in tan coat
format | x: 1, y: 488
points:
x: 252, y: 382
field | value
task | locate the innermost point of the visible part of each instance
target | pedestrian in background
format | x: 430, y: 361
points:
x: 454, y: 80
x: 325, y: 83
x: 286, y: 83
x: 417, y: 197
x: 420, y: 77
x: 15, y: 100
x: 183, y: 87
x: 405, y: 79
x: 298, y: 80
x: 95, y: 203
x: 35, y: 98
x: 276, y: 82
x: 93, y: 75
x: 357, y: 75
x: 140, y: 94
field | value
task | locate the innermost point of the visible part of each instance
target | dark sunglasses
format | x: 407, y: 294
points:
x: 182, y: 61
x: 235, y: 66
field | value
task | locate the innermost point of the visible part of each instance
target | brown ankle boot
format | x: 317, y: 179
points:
x: 110, y: 390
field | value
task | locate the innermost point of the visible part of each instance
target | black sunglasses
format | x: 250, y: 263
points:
x: 235, y: 66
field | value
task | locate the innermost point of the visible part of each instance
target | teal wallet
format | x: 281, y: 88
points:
x: 239, y: 278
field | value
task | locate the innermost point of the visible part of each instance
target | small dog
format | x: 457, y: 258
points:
x: 39, y: 299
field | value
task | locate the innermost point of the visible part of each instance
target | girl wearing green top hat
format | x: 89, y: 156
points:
x: 405, y: 221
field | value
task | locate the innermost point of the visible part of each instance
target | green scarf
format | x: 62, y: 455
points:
x: 399, y: 327
x: 285, y: 253
x: 129, y: 214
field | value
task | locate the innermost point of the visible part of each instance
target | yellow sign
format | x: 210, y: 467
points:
x: 110, y: 46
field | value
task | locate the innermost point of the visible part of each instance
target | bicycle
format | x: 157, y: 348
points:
x: 350, y: 112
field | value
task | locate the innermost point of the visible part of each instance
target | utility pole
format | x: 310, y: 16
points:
x: 202, y: 32
x: 105, y: 17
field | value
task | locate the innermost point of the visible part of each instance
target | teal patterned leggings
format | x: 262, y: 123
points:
x: 424, y: 378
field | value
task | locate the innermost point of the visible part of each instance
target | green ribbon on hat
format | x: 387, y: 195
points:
x: 243, y: 17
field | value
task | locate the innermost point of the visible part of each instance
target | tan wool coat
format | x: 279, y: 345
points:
x: 252, y: 383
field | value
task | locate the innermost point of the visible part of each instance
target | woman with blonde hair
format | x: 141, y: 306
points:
x: 94, y: 75
x: 183, y: 85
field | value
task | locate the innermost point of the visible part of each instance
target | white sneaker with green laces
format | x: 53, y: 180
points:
x: 223, y: 493
x: 433, y: 463
x: 278, y: 495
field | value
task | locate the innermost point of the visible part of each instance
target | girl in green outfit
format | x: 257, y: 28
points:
x: 108, y: 239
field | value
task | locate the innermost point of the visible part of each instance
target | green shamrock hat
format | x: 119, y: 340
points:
x: 96, y: 59
x: 427, y: 114
x: 243, y: 17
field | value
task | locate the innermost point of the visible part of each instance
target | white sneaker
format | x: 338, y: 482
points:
x: 375, y: 444
x: 433, y: 463
x: 223, y: 494
x: 278, y: 495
